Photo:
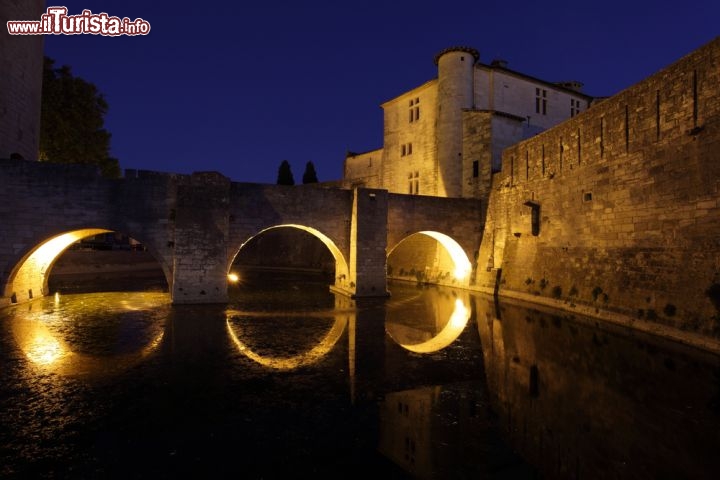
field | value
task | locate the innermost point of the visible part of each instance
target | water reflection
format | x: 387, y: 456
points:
x: 579, y: 399
x: 435, y: 382
x: 89, y: 334
x: 419, y: 319
x: 288, y: 349
x: 446, y: 431
x: 426, y: 319
x: 296, y: 369
x: 286, y: 324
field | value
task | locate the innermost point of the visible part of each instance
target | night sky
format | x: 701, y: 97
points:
x: 236, y: 89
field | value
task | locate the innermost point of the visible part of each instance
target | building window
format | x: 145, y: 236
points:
x: 414, y: 183
x: 541, y: 101
x: 574, y: 107
x: 405, y: 149
x: 415, y: 109
x: 534, y: 217
x: 403, y: 152
x: 476, y: 169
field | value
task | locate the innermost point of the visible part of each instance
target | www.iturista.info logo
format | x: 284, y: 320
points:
x: 56, y: 21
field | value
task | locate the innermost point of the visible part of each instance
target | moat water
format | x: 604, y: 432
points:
x: 289, y: 379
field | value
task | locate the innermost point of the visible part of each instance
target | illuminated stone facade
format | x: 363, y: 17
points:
x: 445, y: 137
x: 618, y: 209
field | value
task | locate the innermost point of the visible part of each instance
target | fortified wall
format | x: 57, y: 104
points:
x: 21, y: 67
x: 617, y: 211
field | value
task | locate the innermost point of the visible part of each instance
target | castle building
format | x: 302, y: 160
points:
x: 445, y: 138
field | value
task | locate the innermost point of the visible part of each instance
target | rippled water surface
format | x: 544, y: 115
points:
x: 289, y: 379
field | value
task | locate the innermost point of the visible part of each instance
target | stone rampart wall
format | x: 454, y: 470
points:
x: 618, y: 209
x: 21, y: 67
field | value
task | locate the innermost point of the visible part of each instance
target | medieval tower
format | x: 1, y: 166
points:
x: 21, y: 64
x: 455, y: 94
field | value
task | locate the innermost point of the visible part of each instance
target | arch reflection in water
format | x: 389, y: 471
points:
x: 90, y: 334
x: 247, y: 328
x: 426, y: 320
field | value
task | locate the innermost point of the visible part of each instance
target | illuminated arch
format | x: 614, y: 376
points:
x: 29, y: 278
x: 462, y: 265
x: 48, y: 352
x: 341, y: 266
x: 289, y: 363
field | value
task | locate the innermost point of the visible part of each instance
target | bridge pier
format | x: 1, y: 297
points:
x: 201, y: 238
x: 368, y: 243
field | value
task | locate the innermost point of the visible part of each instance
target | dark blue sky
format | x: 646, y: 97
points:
x: 237, y: 89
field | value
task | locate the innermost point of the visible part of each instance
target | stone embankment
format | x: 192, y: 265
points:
x: 83, y: 270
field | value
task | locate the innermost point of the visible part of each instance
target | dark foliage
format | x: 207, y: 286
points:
x: 72, y: 121
x: 310, y: 176
x: 285, y: 176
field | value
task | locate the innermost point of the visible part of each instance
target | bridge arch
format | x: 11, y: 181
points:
x: 341, y: 265
x: 429, y: 256
x: 29, y: 276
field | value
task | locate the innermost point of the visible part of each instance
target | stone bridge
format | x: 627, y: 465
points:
x: 195, y: 225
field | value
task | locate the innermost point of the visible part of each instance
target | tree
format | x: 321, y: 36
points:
x: 310, y: 176
x: 285, y: 176
x: 71, y: 121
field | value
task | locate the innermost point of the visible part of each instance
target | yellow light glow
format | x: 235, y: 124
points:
x: 57, y: 298
x: 32, y: 274
x: 311, y: 356
x: 456, y: 252
x: 44, y: 350
x: 233, y: 277
x: 450, y: 332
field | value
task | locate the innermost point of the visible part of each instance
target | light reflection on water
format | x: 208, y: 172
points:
x: 84, y: 334
x: 283, y: 333
x: 289, y: 377
x: 285, y: 340
x: 422, y: 323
